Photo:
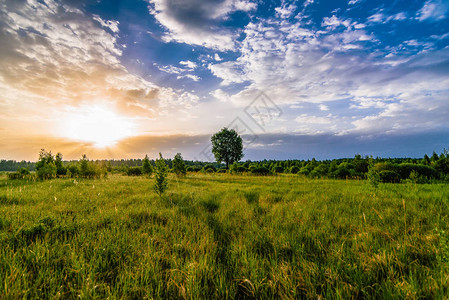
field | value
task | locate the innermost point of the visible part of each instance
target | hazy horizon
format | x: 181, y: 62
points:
x: 297, y: 79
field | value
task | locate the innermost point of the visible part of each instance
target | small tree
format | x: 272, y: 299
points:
x: 160, y: 178
x: 147, y: 169
x: 179, y: 166
x: 45, y: 166
x: 60, y: 169
x: 227, y: 146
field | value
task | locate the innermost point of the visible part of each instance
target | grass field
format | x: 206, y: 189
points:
x: 223, y: 236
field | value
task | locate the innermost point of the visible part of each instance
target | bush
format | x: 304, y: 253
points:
x: 388, y: 176
x: 179, y: 166
x: 321, y: 170
x: 193, y: 168
x: 305, y: 170
x: 209, y: 168
x: 45, y: 166
x: 259, y: 170
x: 134, y: 171
x: 236, y: 168
x: 72, y: 171
x: 405, y: 170
x: 294, y: 170
x: 88, y: 169
x: 278, y: 169
x: 160, y: 176
x: 342, y: 172
x: 147, y: 169
x: 21, y: 173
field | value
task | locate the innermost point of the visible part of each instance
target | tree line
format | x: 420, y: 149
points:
x: 427, y: 169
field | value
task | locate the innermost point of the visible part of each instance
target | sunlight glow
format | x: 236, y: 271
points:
x: 97, y: 124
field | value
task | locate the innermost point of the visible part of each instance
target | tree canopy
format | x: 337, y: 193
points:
x: 227, y: 146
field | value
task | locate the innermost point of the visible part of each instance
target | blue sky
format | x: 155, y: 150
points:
x: 298, y: 79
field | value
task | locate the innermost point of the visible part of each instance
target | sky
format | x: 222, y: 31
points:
x: 296, y: 79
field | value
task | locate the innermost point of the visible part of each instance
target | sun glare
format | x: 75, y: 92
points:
x: 98, y: 125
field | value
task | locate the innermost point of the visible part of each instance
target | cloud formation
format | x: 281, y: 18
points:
x: 55, y: 56
x: 386, y: 89
x: 199, y: 22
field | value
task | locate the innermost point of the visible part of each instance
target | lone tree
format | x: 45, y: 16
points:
x: 227, y: 146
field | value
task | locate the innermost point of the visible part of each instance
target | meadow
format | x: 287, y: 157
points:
x: 223, y: 236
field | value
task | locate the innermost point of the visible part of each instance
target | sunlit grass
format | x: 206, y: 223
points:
x: 223, y: 236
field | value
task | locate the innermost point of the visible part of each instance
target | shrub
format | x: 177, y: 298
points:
x: 278, y: 169
x: 294, y: 170
x: 209, y: 168
x: 373, y: 177
x: 321, y: 170
x: 404, y: 170
x: 134, y: 171
x: 45, y: 166
x: 259, y: 170
x: 342, y: 172
x: 388, y: 176
x: 147, y: 169
x: 72, y: 171
x: 305, y: 170
x: 179, y: 166
x: 236, y: 168
x: 193, y: 168
x: 160, y: 178
x: 21, y: 173
x: 60, y: 169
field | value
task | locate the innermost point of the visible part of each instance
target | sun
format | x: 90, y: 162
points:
x: 97, y: 124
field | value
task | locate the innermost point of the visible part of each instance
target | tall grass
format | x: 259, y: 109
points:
x: 223, y: 236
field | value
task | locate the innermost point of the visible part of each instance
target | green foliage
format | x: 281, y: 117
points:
x: 388, y: 176
x: 373, y: 177
x: 88, y: 169
x: 45, y: 166
x: 294, y: 169
x: 259, y: 170
x: 236, y: 168
x: 60, y: 169
x: 22, y: 173
x: 179, y: 166
x: 147, y: 169
x: 160, y: 176
x: 209, y: 168
x: 227, y: 146
x: 277, y: 169
x: 134, y: 171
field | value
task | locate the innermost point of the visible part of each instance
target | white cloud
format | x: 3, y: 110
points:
x: 334, y: 22
x: 433, y: 10
x: 197, y: 22
x: 229, y: 71
x: 112, y: 25
x: 352, y: 2
x: 285, y: 10
x: 56, y: 56
x: 217, y: 57
x: 190, y: 76
x: 325, y: 66
x: 324, y: 107
x: 189, y: 64
x: 304, y: 118
x: 383, y: 19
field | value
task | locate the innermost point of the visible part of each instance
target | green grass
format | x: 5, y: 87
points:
x: 223, y: 236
